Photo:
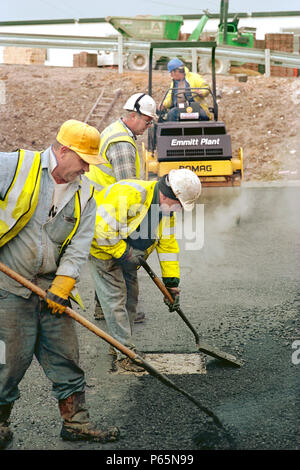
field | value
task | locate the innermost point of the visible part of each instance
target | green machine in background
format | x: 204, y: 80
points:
x: 147, y: 27
x: 234, y: 36
x: 228, y: 32
x: 167, y: 27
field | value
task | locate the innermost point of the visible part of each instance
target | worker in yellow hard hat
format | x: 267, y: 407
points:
x: 47, y: 222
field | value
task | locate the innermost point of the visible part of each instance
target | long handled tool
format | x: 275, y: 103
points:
x: 203, y: 347
x: 109, y: 339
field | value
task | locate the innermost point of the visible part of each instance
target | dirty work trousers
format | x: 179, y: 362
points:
x: 27, y: 328
x: 117, y: 290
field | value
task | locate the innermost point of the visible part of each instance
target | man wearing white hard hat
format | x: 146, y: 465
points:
x: 118, y: 143
x: 134, y: 218
x: 119, y: 149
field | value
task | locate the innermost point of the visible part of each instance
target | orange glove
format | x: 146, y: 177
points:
x: 58, y: 294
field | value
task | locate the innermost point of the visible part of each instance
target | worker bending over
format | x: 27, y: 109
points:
x: 134, y: 217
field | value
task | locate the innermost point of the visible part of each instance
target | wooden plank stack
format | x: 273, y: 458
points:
x: 84, y: 59
x: 275, y: 42
x: 280, y: 42
x: 24, y: 55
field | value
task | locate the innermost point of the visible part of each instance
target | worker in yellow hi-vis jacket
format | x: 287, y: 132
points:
x: 133, y: 219
x: 186, y: 87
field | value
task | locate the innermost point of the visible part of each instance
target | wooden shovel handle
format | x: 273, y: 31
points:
x: 156, y: 280
x: 109, y: 339
x: 71, y: 313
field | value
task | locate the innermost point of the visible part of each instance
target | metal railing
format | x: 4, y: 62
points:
x: 118, y: 43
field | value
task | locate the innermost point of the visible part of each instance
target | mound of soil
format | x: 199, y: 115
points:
x: 261, y: 114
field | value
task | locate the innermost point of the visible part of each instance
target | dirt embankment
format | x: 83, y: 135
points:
x: 261, y: 115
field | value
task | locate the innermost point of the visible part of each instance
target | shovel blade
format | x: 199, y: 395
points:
x: 221, y: 355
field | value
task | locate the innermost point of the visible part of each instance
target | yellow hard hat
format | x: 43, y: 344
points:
x: 82, y: 139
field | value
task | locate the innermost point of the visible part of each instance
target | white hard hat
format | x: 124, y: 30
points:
x: 141, y: 103
x: 186, y: 186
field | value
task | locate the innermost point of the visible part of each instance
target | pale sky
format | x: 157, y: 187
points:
x: 17, y: 10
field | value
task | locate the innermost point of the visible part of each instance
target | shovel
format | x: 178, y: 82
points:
x: 113, y: 342
x: 203, y: 347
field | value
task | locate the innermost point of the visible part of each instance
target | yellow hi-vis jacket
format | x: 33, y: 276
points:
x: 121, y: 208
x: 195, y: 81
x: 103, y: 175
x: 20, y: 200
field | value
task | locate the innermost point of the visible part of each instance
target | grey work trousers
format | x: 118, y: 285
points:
x: 117, y: 290
x: 27, y: 328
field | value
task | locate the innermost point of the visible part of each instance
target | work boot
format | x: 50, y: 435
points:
x: 98, y: 315
x: 126, y: 364
x: 112, y: 351
x: 77, y: 425
x: 6, y: 434
x: 140, y: 317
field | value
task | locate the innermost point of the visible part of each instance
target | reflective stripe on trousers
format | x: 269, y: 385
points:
x: 168, y: 256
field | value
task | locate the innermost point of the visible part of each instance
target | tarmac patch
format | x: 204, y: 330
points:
x: 170, y: 363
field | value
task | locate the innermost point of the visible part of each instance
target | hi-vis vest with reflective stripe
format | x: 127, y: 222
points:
x: 103, y: 175
x: 21, y: 198
x: 120, y: 209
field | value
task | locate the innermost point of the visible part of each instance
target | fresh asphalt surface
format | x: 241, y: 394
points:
x: 240, y: 289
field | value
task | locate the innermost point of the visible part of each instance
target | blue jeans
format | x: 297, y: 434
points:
x: 27, y: 328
